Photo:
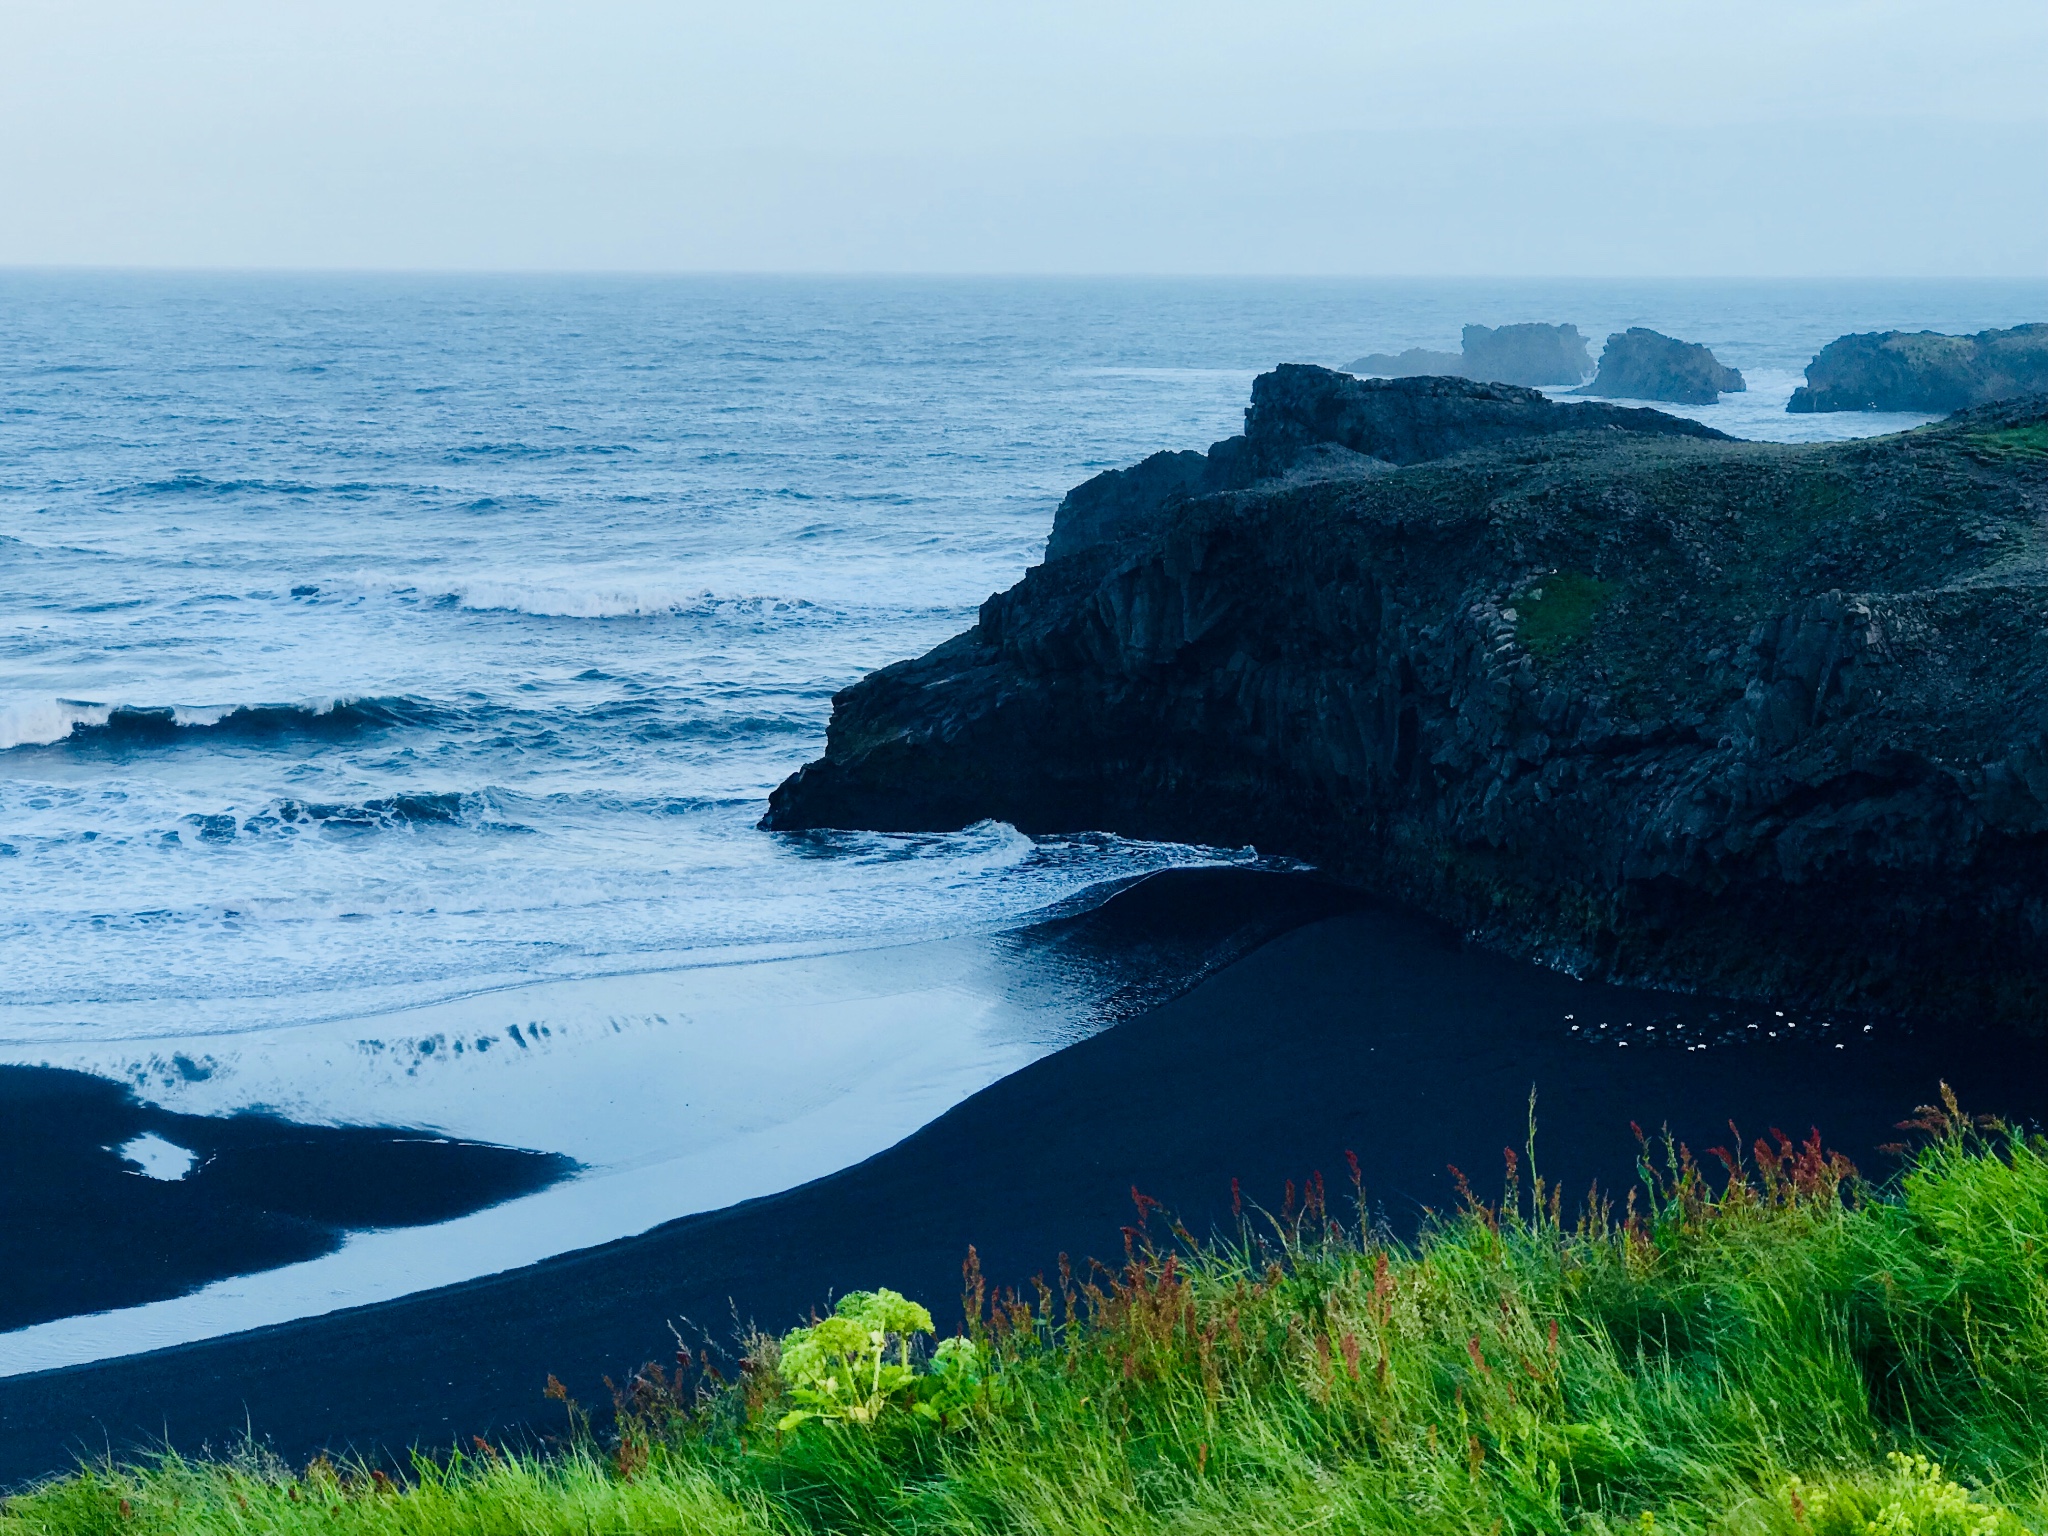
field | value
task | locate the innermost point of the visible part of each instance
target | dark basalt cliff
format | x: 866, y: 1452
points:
x: 1924, y: 370
x: 1504, y: 354
x: 1639, y: 364
x: 1599, y: 686
x: 1307, y: 422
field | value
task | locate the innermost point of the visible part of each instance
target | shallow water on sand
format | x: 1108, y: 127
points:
x: 387, y: 660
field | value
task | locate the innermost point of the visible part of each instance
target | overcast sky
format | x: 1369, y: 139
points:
x: 1642, y: 137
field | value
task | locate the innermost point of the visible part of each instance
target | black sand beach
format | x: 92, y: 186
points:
x: 1367, y: 1031
x: 85, y: 1229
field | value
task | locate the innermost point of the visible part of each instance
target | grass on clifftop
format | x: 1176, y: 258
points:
x: 1777, y: 1350
x: 2013, y: 442
x: 1558, y: 611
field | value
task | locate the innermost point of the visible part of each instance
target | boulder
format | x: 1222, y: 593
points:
x: 1639, y: 364
x: 1507, y: 354
x: 1924, y: 370
x: 1646, y: 704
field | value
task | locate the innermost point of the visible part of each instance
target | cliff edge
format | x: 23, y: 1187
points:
x: 1599, y: 686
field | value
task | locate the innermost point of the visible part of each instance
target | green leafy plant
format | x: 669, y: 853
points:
x: 839, y: 1368
x: 1915, y: 1499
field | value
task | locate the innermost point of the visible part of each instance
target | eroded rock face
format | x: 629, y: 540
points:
x: 1308, y: 422
x: 1758, y: 718
x: 1507, y: 354
x: 1924, y: 370
x: 1639, y: 364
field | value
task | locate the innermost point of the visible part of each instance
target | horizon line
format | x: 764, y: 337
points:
x: 974, y: 274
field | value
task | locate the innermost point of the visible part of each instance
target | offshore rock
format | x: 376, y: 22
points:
x: 1639, y: 364
x: 1924, y: 370
x: 1506, y: 354
x: 1415, y: 362
x: 1652, y: 705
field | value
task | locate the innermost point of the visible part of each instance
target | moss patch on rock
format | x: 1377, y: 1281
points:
x: 1558, y: 611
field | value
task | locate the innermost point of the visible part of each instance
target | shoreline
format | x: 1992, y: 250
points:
x: 1370, y: 1031
x: 649, y: 1090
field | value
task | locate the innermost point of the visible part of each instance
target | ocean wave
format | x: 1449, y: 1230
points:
x: 536, y: 451
x: 51, y: 722
x: 191, y: 483
x: 380, y: 813
x: 548, y: 601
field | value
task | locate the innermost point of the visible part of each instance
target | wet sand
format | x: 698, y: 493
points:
x: 88, y: 1228
x: 1367, y: 1030
x: 666, y: 1093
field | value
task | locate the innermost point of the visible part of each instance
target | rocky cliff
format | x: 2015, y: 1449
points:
x: 1604, y: 689
x: 1505, y: 354
x: 1306, y: 422
x: 1639, y: 364
x: 1924, y: 370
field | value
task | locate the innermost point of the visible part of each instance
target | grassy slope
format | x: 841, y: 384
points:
x: 1761, y: 1354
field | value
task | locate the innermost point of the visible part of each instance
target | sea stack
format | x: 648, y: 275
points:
x: 1924, y: 370
x: 1531, y: 355
x: 1641, y: 364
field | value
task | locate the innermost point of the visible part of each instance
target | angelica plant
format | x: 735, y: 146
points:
x: 839, y: 1368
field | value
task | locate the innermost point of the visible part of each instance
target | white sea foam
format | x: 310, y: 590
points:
x: 570, y: 601
x: 41, y: 722
x: 1758, y: 412
x: 156, y: 1158
x: 562, y: 602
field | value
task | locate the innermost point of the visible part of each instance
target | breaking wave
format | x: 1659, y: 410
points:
x: 381, y: 814
x: 51, y: 722
x: 547, y: 601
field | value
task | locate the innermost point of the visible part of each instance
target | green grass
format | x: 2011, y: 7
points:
x: 2030, y: 443
x: 1558, y: 611
x: 1765, y: 1352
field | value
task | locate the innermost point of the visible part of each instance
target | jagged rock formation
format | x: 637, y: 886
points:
x: 1924, y: 370
x: 1639, y: 364
x: 1506, y: 354
x: 1651, y: 704
x: 1306, y: 422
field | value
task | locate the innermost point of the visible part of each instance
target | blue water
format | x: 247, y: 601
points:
x: 367, y: 641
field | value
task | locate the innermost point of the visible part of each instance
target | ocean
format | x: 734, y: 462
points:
x: 390, y: 661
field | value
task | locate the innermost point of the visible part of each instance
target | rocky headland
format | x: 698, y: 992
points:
x: 1640, y: 364
x: 1531, y: 354
x: 1924, y: 370
x: 1598, y: 685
